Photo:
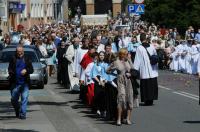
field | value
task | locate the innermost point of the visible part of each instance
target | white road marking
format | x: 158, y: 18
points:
x: 182, y: 93
x: 196, y: 96
x: 186, y: 95
x: 163, y: 87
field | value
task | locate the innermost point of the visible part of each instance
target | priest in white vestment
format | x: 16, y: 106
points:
x: 70, y: 55
x: 148, y: 72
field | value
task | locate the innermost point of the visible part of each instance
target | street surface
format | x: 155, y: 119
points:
x: 55, y: 109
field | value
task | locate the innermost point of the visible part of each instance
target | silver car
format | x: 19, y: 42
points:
x: 37, y: 78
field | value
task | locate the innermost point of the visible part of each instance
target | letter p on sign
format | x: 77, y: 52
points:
x: 131, y: 8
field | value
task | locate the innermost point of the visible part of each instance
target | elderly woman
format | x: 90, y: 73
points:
x: 124, y: 88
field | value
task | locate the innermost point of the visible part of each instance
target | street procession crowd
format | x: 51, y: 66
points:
x: 105, y: 62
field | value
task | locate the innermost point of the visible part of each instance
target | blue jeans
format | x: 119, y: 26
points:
x: 23, y: 91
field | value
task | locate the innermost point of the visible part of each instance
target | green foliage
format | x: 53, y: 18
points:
x: 125, y: 4
x: 173, y: 13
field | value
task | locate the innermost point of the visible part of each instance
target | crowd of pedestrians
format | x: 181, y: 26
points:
x: 104, y: 62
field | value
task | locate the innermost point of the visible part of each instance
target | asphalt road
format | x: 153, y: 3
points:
x: 55, y: 109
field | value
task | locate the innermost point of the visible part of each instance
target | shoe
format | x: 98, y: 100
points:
x: 119, y: 123
x: 22, y: 117
x: 128, y: 122
x: 137, y: 103
x: 104, y: 114
x: 124, y: 121
x: 148, y: 103
x: 98, y: 113
x: 17, y: 114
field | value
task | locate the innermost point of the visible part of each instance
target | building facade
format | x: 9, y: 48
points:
x: 31, y: 12
x: 91, y: 7
x: 26, y: 13
x: 3, y: 15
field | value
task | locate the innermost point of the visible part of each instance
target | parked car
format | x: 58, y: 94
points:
x: 39, y: 54
x: 37, y: 78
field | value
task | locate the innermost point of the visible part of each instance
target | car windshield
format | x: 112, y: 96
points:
x: 7, y: 56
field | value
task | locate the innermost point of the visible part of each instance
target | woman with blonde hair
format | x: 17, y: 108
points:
x: 124, y: 85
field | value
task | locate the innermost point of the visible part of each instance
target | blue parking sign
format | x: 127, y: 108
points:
x: 131, y: 8
x: 139, y: 8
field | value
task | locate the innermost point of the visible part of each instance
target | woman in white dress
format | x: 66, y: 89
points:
x: 51, y: 49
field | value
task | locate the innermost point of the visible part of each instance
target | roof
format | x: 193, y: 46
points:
x: 14, y: 49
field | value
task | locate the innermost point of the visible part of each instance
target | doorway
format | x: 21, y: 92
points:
x: 103, y: 6
x: 74, y: 4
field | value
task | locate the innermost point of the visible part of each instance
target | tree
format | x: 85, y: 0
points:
x: 173, y: 13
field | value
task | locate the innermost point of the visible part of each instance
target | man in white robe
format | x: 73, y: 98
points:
x: 70, y: 55
x: 148, y: 72
x: 79, y: 72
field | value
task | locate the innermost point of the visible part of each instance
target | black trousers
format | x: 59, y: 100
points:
x: 149, y: 89
x: 59, y: 73
x: 99, y: 97
x: 111, y: 101
x: 83, y: 92
x: 63, y: 74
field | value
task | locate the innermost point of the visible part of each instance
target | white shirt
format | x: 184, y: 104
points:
x: 100, y: 48
x: 79, y: 56
x: 123, y: 42
x: 88, y: 71
x: 27, y: 42
x: 142, y: 63
x: 43, y: 50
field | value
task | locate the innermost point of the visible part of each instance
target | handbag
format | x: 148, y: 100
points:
x: 135, y: 73
x: 153, y: 58
x: 50, y: 53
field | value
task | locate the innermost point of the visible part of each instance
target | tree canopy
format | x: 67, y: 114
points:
x: 173, y: 13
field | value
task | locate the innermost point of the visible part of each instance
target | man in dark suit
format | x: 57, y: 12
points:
x: 20, y: 68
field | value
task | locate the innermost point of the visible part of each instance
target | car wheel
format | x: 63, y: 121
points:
x: 46, y: 77
x: 41, y: 85
x: 46, y: 80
